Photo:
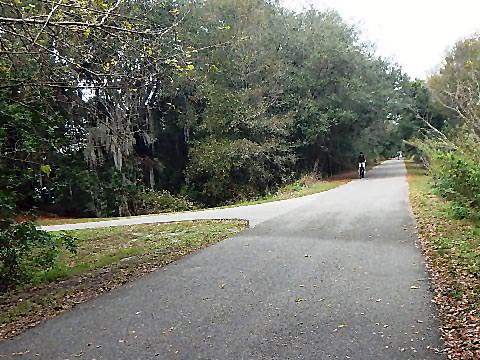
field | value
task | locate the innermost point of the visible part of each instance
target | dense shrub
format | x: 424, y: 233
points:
x: 457, y: 178
x: 25, y: 251
x: 104, y: 192
x: 223, y: 171
x: 99, y: 192
x: 417, y: 158
x: 151, y: 202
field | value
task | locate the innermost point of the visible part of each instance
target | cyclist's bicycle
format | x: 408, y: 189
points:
x: 362, y: 169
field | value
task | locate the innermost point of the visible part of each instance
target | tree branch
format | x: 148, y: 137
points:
x: 45, y: 24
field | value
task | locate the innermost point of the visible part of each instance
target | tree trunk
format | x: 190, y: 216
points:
x: 315, y: 169
x: 152, y: 179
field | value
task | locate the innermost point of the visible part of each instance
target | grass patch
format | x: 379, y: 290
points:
x: 47, y: 221
x: 303, y: 187
x: 106, y: 259
x: 452, y: 250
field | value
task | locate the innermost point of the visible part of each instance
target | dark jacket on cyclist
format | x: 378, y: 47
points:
x: 361, y: 158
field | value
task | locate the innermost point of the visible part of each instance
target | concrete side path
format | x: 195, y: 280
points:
x: 255, y: 214
x: 337, y: 278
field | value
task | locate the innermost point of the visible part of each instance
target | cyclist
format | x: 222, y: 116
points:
x: 362, y: 162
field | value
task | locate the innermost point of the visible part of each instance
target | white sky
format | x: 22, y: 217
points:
x: 414, y: 33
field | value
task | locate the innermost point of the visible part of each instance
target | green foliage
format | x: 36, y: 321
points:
x: 105, y: 192
x: 28, y: 139
x: 455, y: 86
x: 100, y: 192
x: 229, y: 103
x: 457, y: 178
x: 26, y: 251
x: 452, y: 148
x: 91, y: 41
x: 221, y: 171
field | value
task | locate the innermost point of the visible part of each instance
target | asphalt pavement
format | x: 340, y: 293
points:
x: 337, y: 276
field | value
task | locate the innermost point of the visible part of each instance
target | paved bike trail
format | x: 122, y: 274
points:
x: 338, y: 278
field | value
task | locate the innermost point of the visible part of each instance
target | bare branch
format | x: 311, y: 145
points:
x: 84, y: 25
x: 109, y: 11
x: 54, y: 8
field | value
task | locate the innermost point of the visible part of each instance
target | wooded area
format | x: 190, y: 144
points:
x: 211, y: 101
x: 131, y: 107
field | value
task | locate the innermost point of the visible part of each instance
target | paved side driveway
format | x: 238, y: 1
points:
x: 255, y: 214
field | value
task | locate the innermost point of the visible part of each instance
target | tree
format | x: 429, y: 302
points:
x: 148, y: 98
x: 457, y: 85
x: 451, y: 135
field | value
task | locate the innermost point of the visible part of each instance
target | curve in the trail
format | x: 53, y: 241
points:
x: 339, y: 277
x: 254, y: 214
